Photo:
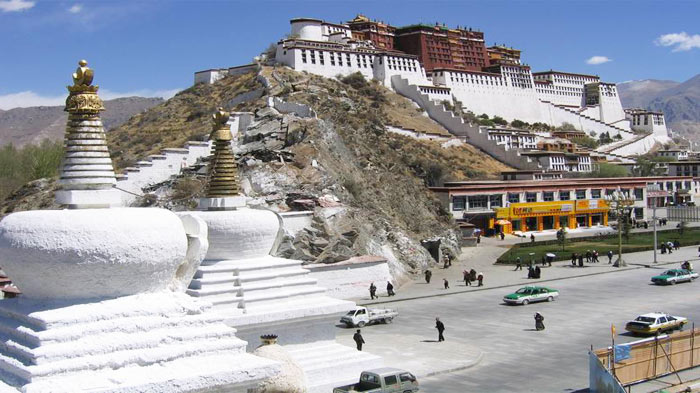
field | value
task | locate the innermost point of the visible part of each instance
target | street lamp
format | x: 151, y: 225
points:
x: 619, y: 202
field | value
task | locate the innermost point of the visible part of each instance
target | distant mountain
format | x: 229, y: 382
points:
x: 21, y: 126
x: 638, y: 94
x: 680, y: 102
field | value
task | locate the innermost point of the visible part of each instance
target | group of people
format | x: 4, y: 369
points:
x: 373, y: 290
x: 591, y: 256
x: 471, y: 275
x: 670, y: 246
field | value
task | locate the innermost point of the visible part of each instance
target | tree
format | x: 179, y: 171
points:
x: 484, y: 116
x: 499, y: 120
x: 609, y: 170
x: 518, y: 123
x: 561, y: 238
x: 626, y: 226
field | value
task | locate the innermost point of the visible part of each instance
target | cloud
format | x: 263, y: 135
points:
x: 16, y: 5
x: 28, y: 98
x: 76, y: 8
x: 595, y: 60
x: 680, y: 41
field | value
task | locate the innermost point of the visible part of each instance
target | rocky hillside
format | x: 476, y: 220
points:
x: 680, y: 102
x: 21, y: 126
x: 367, y: 188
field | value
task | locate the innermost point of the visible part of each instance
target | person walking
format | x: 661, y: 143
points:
x: 373, y: 291
x: 446, y: 283
x: 580, y: 260
x: 358, y: 339
x: 480, y: 278
x: 610, y: 255
x: 532, y: 238
x: 440, y: 328
x: 539, y: 321
x: 573, y: 259
x: 518, y: 264
x: 595, y: 256
x: 588, y: 256
x: 467, y: 281
x: 538, y: 272
x: 428, y: 275
x: 503, y: 235
x: 676, y: 244
x: 389, y: 289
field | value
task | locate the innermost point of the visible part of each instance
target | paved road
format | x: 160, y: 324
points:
x: 510, y: 356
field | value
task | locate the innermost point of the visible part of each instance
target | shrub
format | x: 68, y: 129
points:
x: 356, y: 80
x: 518, y: 123
x: 19, y: 166
x: 484, y: 116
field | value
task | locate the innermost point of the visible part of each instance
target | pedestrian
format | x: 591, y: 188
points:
x: 428, y: 275
x: 595, y: 256
x: 530, y: 272
x: 699, y: 251
x: 588, y: 256
x: 480, y: 278
x: 358, y: 340
x: 580, y: 260
x: 373, y: 291
x: 518, y: 264
x: 573, y: 259
x: 503, y: 235
x: 532, y: 238
x: 445, y: 262
x: 472, y: 275
x: 440, y: 328
x: 543, y: 260
x: 465, y: 275
x: 669, y: 246
x: 676, y: 244
x: 663, y: 248
x: 478, y: 238
x: 539, y: 321
x: 610, y: 255
x: 389, y: 289
x: 538, y: 272
x: 446, y: 283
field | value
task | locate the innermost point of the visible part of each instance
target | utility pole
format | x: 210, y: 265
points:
x: 653, y: 217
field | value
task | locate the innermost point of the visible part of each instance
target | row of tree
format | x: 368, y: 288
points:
x: 21, y: 165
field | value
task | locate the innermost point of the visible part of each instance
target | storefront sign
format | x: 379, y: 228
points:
x: 539, y: 208
x: 657, y: 194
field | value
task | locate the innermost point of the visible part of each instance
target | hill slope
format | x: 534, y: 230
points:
x: 375, y: 181
x: 21, y: 126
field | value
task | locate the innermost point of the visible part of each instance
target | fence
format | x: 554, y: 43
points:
x: 651, y: 358
x: 683, y: 213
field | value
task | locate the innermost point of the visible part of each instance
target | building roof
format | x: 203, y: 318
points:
x: 564, y: 73
x: 602, y: 182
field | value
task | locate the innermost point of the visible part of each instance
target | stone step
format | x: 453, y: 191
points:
x: 327, y: 361
x: 262, y: 297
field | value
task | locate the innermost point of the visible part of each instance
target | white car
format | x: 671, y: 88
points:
x: 655, y: 323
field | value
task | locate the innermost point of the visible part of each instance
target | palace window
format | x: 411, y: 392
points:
x: 564, y: 195
x: 477, y: 202
x: 496, y: 200
x: 513, y: 197
x: 581, y: 194
x: 530, y: 197
x: 548, y: 196
x: 639, y: 194
x: 459, y: 202
x: 303, y: 56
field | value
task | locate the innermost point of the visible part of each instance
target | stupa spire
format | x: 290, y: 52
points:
x: 87, y: 176
x: 222, y: 190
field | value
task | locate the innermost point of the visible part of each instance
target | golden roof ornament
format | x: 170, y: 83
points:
x: 223, y: 172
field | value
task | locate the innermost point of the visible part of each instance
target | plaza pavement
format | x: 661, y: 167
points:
x: 409, y: 351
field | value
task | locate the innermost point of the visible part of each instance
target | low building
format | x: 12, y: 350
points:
x: 512, y: 138
x: 642, y: 120
x: 561, y: 161
x: 526, y: 205
x: 675, y: 154
x: 531, y: 175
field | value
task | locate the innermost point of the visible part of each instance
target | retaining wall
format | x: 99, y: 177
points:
x: 351, y: 279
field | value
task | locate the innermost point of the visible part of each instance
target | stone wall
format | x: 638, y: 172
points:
x: 282, y: 106
x: 351, y: 279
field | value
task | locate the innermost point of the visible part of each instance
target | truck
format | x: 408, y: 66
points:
x: 382, y: 380
x: 362, y: 316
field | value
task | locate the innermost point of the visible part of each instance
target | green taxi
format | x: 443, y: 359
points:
x: 674, y: 276
x: 531, y: 294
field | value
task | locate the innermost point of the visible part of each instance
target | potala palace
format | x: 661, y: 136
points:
x: 437, y: 64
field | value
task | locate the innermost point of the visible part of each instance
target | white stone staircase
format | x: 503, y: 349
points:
x: 586, y: 123
x: 472, y: 134
x: 158, y: 168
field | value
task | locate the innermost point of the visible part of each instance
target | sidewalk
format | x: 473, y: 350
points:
x: 482, y: 257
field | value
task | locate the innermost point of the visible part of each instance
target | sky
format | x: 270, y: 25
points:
x: 153, y: 47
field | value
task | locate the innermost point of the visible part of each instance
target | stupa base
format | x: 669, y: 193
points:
x: 166, y: 342
x: 89, y: 199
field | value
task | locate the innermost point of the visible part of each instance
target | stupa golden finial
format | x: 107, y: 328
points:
x: 83, y: 96
x: 223, y: 172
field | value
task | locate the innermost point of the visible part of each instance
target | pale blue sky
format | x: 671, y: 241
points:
x: 153, y: 47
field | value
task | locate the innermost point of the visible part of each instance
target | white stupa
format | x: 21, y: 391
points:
x: 103, y: 307
x: 260, y: 294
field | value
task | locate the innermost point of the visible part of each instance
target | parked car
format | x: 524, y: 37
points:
x: 674, y: 276
x: 531, y: 294
x: 383, y: 380
x: 362, y: 316
x: 655, y: 323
